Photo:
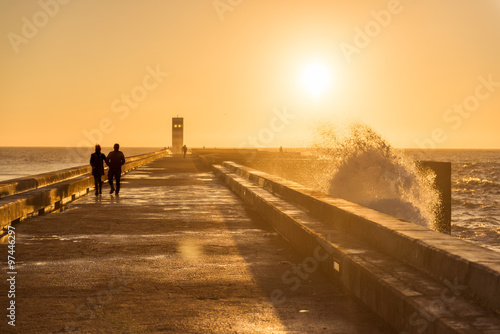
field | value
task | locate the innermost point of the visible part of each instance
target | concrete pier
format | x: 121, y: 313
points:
x: 175, y: 252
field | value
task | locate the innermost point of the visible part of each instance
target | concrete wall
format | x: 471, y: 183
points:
x: 19, y: 185
x: 40, y: 199
x: 216, y: 156
x: 398, y: 269
x: 293, y: 166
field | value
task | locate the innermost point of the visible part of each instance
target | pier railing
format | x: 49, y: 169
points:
x: 38, y: 194
x: 22, y: 184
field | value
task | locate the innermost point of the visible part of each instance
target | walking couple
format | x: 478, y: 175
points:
x: 114, y: 160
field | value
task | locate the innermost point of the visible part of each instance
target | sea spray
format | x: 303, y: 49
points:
x: 363, y: 168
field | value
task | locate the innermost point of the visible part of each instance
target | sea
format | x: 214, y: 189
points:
x: 475, y: 186
x: 475, y: 181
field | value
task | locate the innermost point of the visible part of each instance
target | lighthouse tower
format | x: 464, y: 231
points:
x: 177, y: 134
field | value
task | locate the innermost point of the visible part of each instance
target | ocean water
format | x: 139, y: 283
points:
x: 475, y: 181
x: 475, y: 186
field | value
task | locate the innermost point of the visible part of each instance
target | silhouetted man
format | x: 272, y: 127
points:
x: 97, y: 162
x: 184, y: 149
x: 115, y: 160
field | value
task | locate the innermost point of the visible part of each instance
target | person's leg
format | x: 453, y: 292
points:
x: 100, y: 184
x: 118, y: 177
x: 110, y: 180
x: 96, y: 183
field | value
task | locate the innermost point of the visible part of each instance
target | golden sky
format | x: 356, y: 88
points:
x: 80, y: 72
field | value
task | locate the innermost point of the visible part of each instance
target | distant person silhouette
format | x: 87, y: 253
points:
x: 184, y: 149
x: 115, y: 160
x: 97, y: 160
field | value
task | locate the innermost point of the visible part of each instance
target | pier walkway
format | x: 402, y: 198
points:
x: 175, y: 252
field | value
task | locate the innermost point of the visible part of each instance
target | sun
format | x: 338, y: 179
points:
x: 315, y: 78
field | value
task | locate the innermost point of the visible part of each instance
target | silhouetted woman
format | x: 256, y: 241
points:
x: 97, y: 160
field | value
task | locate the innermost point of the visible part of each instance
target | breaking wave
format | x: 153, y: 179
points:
x: 364, y: 168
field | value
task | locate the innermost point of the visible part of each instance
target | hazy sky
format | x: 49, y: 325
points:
x: 78, y: 72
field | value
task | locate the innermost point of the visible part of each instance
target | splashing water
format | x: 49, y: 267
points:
x: 363, y: 168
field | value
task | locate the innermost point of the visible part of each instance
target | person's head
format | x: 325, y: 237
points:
x: 98, y: 148
x: 116, y: 147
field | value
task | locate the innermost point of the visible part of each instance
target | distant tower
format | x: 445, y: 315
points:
x: 177, y: 134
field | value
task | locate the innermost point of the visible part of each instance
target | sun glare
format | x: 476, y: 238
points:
x: 315, y: 78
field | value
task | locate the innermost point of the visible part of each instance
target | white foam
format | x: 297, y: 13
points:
x: 366, y: 170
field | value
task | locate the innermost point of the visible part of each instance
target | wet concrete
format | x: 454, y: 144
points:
x: 176, y: 252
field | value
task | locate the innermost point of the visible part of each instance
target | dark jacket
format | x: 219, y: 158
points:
x: 97, y: 163
x: 115, y: 160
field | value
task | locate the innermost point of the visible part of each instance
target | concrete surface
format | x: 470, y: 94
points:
x: 175, y: 252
